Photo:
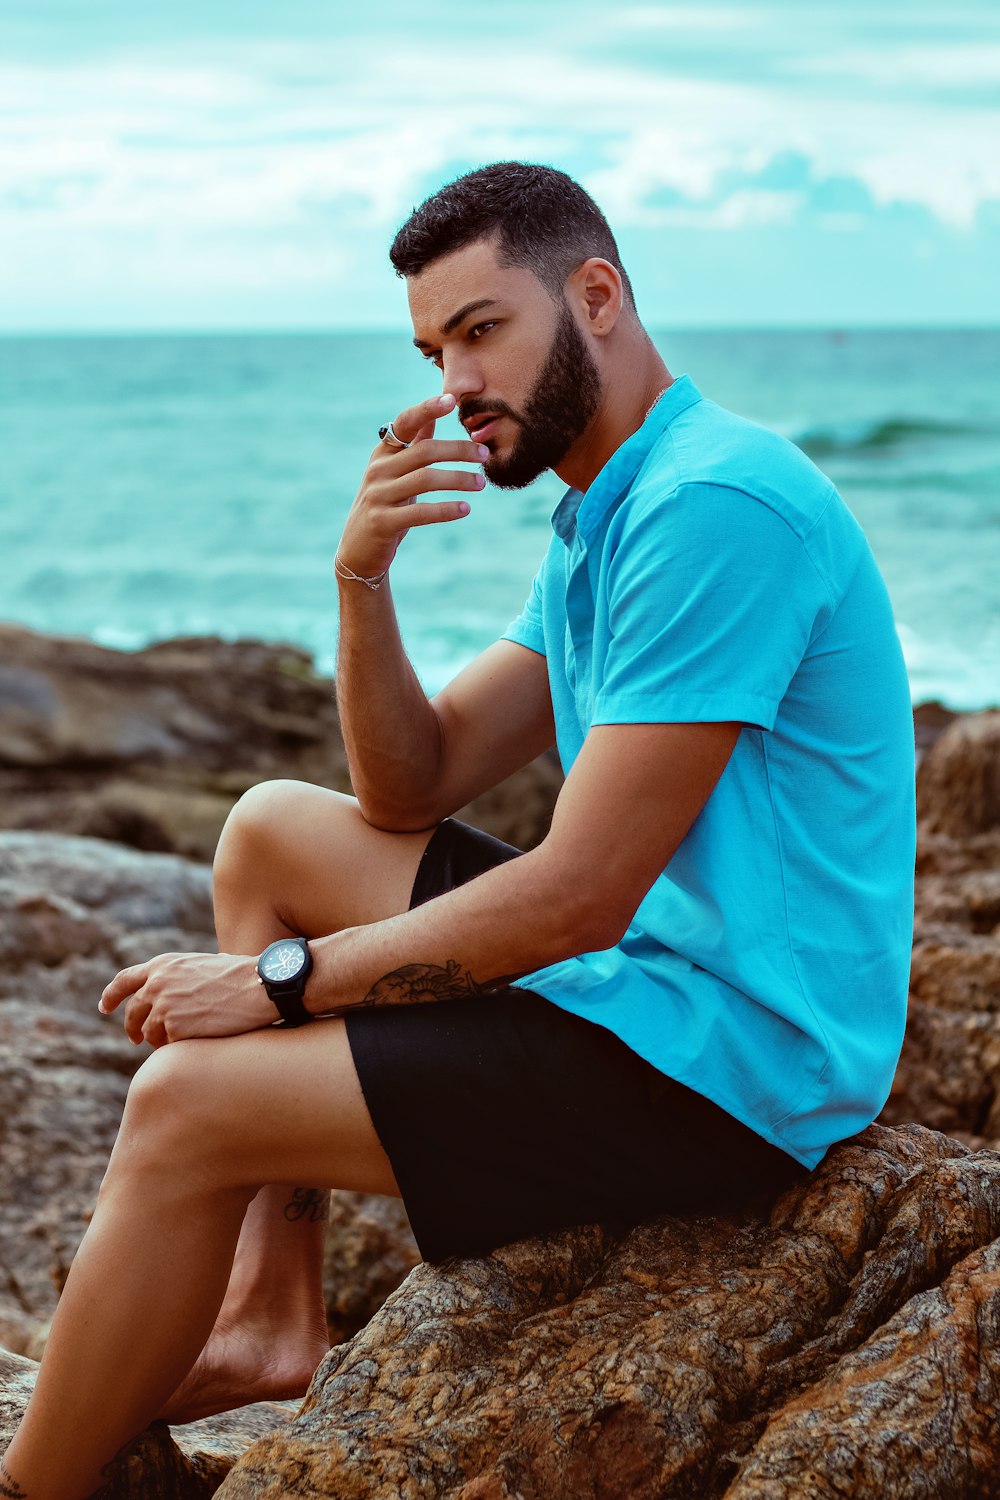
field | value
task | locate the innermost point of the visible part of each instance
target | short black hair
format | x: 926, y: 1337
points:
x: 543, y: 220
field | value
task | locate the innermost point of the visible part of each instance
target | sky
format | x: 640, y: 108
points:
x: 213, y: 165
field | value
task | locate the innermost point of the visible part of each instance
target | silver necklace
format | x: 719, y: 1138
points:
x: 658, y: 397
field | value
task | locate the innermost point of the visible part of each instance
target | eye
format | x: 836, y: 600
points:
x: 433, y: 357
x: 479, y: 329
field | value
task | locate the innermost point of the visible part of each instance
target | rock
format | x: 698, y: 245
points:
x: 180, y: 1463
x: 152, y: 748
x: 930, y: 720
x: 72, y: 912
x: 369, y: 1250
x: 685, y: 1356
x: 958, y: 783
x: 814, y: 1354
x: 822, y: 1351
x: 948, y: 1074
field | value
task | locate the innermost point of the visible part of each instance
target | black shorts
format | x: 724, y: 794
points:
x: 505, y: 1116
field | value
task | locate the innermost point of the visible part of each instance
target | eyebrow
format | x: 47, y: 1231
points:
x: 459, y: 317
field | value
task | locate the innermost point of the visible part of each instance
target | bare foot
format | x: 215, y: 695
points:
x: 247, y: 1363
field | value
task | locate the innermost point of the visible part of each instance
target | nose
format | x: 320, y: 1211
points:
x: 462, y: 374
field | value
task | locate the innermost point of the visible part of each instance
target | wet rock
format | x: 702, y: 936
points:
x: 683, y: 1357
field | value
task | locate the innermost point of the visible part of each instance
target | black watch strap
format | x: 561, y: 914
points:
x: 288, y: 999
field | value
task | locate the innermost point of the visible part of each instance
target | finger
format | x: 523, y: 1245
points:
x: 410, y: 424
x: 125, y: 983
x: 424, y: 451
x: 426, y: 481
x: 155, y: 1033
x: 430, y: 515
x: 136, y: 1015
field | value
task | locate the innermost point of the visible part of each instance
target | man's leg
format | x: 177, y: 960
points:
x: 206, y: 1124
x: 293, y: 858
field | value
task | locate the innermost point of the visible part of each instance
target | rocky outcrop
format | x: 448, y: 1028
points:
x: 369, y: 1250
x: 181, y: 1463
x: 845, y: 1346
x: 949, y: 1073
x: 72, y: 912
x: 152, y: 748
x: 824, y: 1352
x: 958, y: 786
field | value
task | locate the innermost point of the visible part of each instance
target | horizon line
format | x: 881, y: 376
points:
x: 370, y: 330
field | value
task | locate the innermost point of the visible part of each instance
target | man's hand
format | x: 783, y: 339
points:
x: 179, y: 995
x: 385, y: 506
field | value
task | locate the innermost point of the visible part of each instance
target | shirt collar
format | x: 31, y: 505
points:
x: 581, y: 511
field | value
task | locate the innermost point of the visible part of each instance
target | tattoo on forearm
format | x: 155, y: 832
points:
x: 307, y: 1203
x: 415, y: 984
x: 9, y: 1486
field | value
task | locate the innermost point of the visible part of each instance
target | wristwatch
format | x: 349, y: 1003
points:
x: 283, y: 969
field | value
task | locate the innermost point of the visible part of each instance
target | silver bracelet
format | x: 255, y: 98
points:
x: 343, y: 571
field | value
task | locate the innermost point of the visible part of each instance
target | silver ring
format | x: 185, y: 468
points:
x: 389, y: 435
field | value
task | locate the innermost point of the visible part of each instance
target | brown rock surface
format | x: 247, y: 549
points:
x: 369, y: 1250
x: 958, y: 783
x: 152, y: 748
x: 817, y: 1354
x: 949, y: 1073
x: 180, y: 1463
x: 848, y: 1346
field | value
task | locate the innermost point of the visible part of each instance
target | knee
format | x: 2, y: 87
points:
x: 168, y: 1108
x: 170, y: 1139
x: 265, y: 816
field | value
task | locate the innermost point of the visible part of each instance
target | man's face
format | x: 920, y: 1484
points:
x: 516, y: 362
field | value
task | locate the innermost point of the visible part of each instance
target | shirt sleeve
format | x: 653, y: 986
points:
x: 712, y: 601
x: 528, y: 629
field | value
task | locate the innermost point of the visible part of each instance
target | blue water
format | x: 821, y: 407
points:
x: 160, y: 486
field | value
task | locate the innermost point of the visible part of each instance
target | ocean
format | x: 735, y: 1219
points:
x: 153, y: 486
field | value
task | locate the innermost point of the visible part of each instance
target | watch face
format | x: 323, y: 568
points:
x: 282, y: 961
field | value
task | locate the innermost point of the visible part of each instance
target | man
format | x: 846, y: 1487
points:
x: 678, y: 1001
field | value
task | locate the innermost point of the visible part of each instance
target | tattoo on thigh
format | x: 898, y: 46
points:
x: 307, y: 1203
x: 9, y: 1486
x: 415, y: 984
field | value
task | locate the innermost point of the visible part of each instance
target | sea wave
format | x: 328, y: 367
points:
x: 865, y: 435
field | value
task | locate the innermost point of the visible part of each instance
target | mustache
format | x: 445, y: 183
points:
x: 469, y: 409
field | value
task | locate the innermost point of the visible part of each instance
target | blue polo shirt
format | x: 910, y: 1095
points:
x: 712, y: 573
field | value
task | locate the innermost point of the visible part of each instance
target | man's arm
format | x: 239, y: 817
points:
x: 414, y: 762
x: 632, y: 795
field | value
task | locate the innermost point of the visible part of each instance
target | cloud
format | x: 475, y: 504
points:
x: 258, y: 150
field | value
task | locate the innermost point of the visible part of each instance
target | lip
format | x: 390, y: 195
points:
x: 483, y: 431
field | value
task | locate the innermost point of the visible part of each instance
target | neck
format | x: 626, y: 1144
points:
x: 633, y: 383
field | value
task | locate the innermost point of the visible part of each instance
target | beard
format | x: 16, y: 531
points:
x: 558, y: 409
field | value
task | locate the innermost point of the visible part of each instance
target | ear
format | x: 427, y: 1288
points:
x: 596, y: 289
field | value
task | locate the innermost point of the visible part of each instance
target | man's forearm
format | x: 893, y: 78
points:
x: 392, y: 734
x: 508, y: 921
x: 390, y: 730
